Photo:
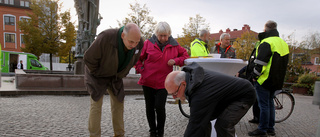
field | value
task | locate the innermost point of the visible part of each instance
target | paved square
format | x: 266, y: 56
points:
x: 49, y: 115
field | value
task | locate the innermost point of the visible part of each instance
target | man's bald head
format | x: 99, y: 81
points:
x: 170, y: 83
x: 131, y: 35
x: 131, y: 27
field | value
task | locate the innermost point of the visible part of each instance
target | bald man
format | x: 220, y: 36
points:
x: 211, y: 95
x: 109, y: 59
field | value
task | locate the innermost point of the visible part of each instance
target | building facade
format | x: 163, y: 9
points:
x: 234, y: 34
x: 11, y: 12
x: 312, y: 58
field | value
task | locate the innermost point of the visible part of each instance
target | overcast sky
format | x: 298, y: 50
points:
x: 300, y: 17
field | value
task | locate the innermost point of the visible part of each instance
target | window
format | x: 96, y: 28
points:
x: 22, y: 39
x: 22, y: 3
x: 24, y: 19
x: 8, y: 20
x: 316, y: 61
x: 0, y: 1
x: 26, y: 4
x: 35, y: 63
x: 10, y: 38
x: 11, y: 2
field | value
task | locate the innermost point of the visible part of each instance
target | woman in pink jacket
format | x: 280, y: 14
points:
x: 156, y: 61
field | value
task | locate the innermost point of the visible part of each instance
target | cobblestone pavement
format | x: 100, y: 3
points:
x: 67, y: 116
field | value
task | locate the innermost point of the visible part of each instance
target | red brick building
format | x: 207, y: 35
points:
x: 315, y: 66
x: 313, y: 60
x: 235, y: 33
x: 11, y: 12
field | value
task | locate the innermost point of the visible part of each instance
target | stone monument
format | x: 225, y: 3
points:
x: 316, y: 101
x: 88, y: 21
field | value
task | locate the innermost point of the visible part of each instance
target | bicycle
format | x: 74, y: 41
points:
x: 283, y: 102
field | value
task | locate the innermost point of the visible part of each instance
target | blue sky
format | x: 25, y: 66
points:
x: 300, y: 17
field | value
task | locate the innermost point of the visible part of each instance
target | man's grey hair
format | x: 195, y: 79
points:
x: 270, y: 25
x: 162, y: 27
x: 181, y: 76
x: 203, y: 32
x: 224, y: 35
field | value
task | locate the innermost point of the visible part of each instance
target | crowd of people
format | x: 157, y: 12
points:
x: 211, y: 95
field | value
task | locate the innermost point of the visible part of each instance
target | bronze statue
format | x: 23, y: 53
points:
x: 89, y: 19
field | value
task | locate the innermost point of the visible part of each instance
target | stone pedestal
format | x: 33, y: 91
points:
x: 316, y: 93
x: 316, y: 101
x: 79, y: 67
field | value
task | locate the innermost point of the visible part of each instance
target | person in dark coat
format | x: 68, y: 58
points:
x: 212, y: 95
x: 107, y: 61
x: 246, y: 73
x: 272, y: 56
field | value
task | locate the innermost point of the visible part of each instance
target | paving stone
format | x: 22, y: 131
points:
x: 49, y: 115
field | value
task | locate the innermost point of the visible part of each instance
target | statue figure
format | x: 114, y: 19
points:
x: 88, y: 21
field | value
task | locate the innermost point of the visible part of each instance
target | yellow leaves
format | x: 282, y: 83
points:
x: 244, y: 45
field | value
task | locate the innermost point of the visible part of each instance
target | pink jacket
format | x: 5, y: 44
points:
x: 153, y: 63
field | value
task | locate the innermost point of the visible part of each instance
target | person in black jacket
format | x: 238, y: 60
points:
x: 211, y: 95
x: 270, y: 67
x: 246, y: 73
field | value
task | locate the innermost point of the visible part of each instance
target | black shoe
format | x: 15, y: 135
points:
x: 257, y: 132
x: 153, y: 134
x: 254, y: 121
x: 271, y: 132
x: 160, y: 134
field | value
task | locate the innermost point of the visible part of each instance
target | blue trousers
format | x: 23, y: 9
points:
x: 267, y: 110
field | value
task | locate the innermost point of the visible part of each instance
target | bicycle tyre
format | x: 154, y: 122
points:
x: 184, y: 109
x: 284, y: 104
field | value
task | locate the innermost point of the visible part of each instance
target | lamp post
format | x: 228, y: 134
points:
x: 71, y: 54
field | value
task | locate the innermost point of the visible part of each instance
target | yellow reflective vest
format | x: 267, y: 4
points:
x: 198, y: 48
x: 273, y: 73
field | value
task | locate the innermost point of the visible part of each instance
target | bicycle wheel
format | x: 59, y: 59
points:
x: 284, y: 104
x: 184, y: 108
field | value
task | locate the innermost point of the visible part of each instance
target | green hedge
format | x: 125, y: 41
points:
x: 307, y: 81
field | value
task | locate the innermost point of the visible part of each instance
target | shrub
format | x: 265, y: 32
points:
x: 301, y: 85
x: 311, y: 89
x: 307, y: 81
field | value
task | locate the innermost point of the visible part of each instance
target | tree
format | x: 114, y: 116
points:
x: 245, y: 44
x: 313, y: 41
x: 140, y: 16
x: 311, y: 44
x: 192, y: 30
x: 294, y: 68
x: 69, y: 34
x: 43, y: 31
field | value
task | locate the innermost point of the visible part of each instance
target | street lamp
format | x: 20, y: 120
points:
x: 72, y: 50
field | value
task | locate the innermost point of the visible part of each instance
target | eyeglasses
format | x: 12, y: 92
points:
x: 176, y: 93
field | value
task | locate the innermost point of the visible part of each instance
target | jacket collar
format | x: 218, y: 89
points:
x: 194, y: 77
x: 114, y: 38
x: 171, y: 40
x: 267, y: 34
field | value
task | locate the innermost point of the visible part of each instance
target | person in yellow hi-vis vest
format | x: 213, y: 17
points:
x: 199, y: 46
x: 270, y: 67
